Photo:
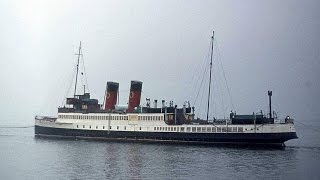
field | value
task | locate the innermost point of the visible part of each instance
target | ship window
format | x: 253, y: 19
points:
x: 125, y: 128
x: 234, y: 129
x: 240, y: 129
x: 77, y: 126
x: 204, y: 129
x: 160, y: 128
x: 139, y: 118
x: 110, y: 127
x: 102, y: 127
x: 213, y: 129
x: 193, y: 129
x: 90, y: 126
x: 224, y: 129
x: 218, y: 129
x: 208, y: 129
x: 229, y: 129
x: 154, y: 128
x: 198, y: 129
x: 174, y: 129
x: 140, y: 128
x: 84, y: 126
x: 182, y: 129
x: 157, y: 128
x: 96, y: 127
x: 117, y: 127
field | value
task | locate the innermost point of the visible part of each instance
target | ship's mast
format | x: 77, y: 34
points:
x: 75, y: 86
x: 212, y: 38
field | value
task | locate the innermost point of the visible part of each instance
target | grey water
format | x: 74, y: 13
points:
x: 22, y: 156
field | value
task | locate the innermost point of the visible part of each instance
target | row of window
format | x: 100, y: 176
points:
x: 151, y: 118
x: 93, y: 117
x: 101, y: 127
x: 200, y: 129
x: 174, y: 129
x: 86, y: 117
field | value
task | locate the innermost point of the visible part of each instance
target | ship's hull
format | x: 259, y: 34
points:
x: 171, y: 137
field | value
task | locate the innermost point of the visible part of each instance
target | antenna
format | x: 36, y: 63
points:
x: 75, y: 86
x: 212, y: 38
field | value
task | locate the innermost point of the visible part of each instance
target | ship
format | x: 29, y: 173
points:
x: 84, y: 118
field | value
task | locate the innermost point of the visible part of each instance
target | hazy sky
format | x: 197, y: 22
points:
x: 263, y: 45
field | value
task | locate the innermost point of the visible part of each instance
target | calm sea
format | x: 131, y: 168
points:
x: 22, y: 156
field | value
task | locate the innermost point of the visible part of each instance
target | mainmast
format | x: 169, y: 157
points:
x: 75, y: 86
x: 212, y: 38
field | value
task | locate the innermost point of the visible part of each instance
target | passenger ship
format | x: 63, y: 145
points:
x: 85, y: 118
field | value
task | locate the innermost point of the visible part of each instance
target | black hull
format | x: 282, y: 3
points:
x: 170, y: 137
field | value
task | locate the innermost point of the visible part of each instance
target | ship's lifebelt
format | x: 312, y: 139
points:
x: 108, y: 95
x: 131, y: 94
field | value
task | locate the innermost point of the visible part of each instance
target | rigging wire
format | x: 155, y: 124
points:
x: 309, y: 126
x: 69, y: 87
x: 224, y: 75
x: 200, y: 87
x: 85, y: 73
x: 202, y: 68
